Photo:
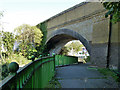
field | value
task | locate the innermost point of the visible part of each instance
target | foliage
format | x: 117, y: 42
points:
x: 113, y: 9
x: 8, y: 41
x: 87, y: 59
x: 29, y: 38
x: 54, y: 83
x: 76, y: 46
x: 18, y: 58
x: 4, y: 71
x: 43, y: 27
x: 64, y: 51
x: 0, y: 41
x: 1, y: 15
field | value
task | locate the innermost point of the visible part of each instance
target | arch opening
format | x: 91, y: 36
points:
x: 60, y: 37
x: 77, y: 49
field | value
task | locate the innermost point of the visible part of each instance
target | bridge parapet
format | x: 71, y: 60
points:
x: 77, y: 13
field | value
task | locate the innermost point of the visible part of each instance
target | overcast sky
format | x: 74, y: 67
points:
x: 18, y: 12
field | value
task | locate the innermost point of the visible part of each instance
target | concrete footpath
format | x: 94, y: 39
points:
x: 81, y: 76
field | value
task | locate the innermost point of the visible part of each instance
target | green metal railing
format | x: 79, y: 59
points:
x: 36, y: 74
x: 61, y: 60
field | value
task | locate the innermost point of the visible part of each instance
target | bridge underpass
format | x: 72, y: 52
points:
x: 78, y: 75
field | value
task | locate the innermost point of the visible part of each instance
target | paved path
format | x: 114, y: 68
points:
x: 80, y: 76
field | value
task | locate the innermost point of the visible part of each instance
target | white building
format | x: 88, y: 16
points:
x: 83, y: 54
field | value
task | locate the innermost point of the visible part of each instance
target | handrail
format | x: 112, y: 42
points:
x: 37, y: 73
x: 62, y: 60
x: 11, y: 78
x: 32, y: 62
x: 24, y: 67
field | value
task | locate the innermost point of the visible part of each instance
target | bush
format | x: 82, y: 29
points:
x: 108, y: 72
x: 87, y: 59
x: 18, y: 58
x: 5, y: 71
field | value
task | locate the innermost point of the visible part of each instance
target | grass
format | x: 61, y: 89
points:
x: 108, y: 72
x: 54, y: 83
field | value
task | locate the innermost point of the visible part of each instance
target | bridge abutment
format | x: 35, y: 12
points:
x: 99, y: 54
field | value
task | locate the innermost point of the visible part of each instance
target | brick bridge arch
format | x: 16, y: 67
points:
x: 60, y: 37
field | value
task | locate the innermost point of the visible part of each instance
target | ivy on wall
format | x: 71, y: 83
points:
x: 43, y: 27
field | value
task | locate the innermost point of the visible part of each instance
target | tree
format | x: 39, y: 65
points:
x: 1, y: 28
x: 113, y: 9
x: 0, y: 45
x: 29, y: 38
x: 75, y: 46
x: 1, y: 15
x: 64, y: 50
x: 8, y: 41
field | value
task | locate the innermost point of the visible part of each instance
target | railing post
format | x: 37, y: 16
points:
x: 33, y: 57
x: 40, y: 56
x: 13, y: 67
x: 48, y: 54
x: 54, y: 63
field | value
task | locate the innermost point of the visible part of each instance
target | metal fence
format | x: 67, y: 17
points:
x: 61, y: 60
x: 36, y: 74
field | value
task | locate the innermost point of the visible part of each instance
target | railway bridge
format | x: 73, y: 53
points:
x: 85, y: 22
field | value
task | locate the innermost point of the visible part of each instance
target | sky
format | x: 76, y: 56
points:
x: 32, y: 12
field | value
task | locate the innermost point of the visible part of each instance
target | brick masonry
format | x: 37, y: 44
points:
x: 86, y: 22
